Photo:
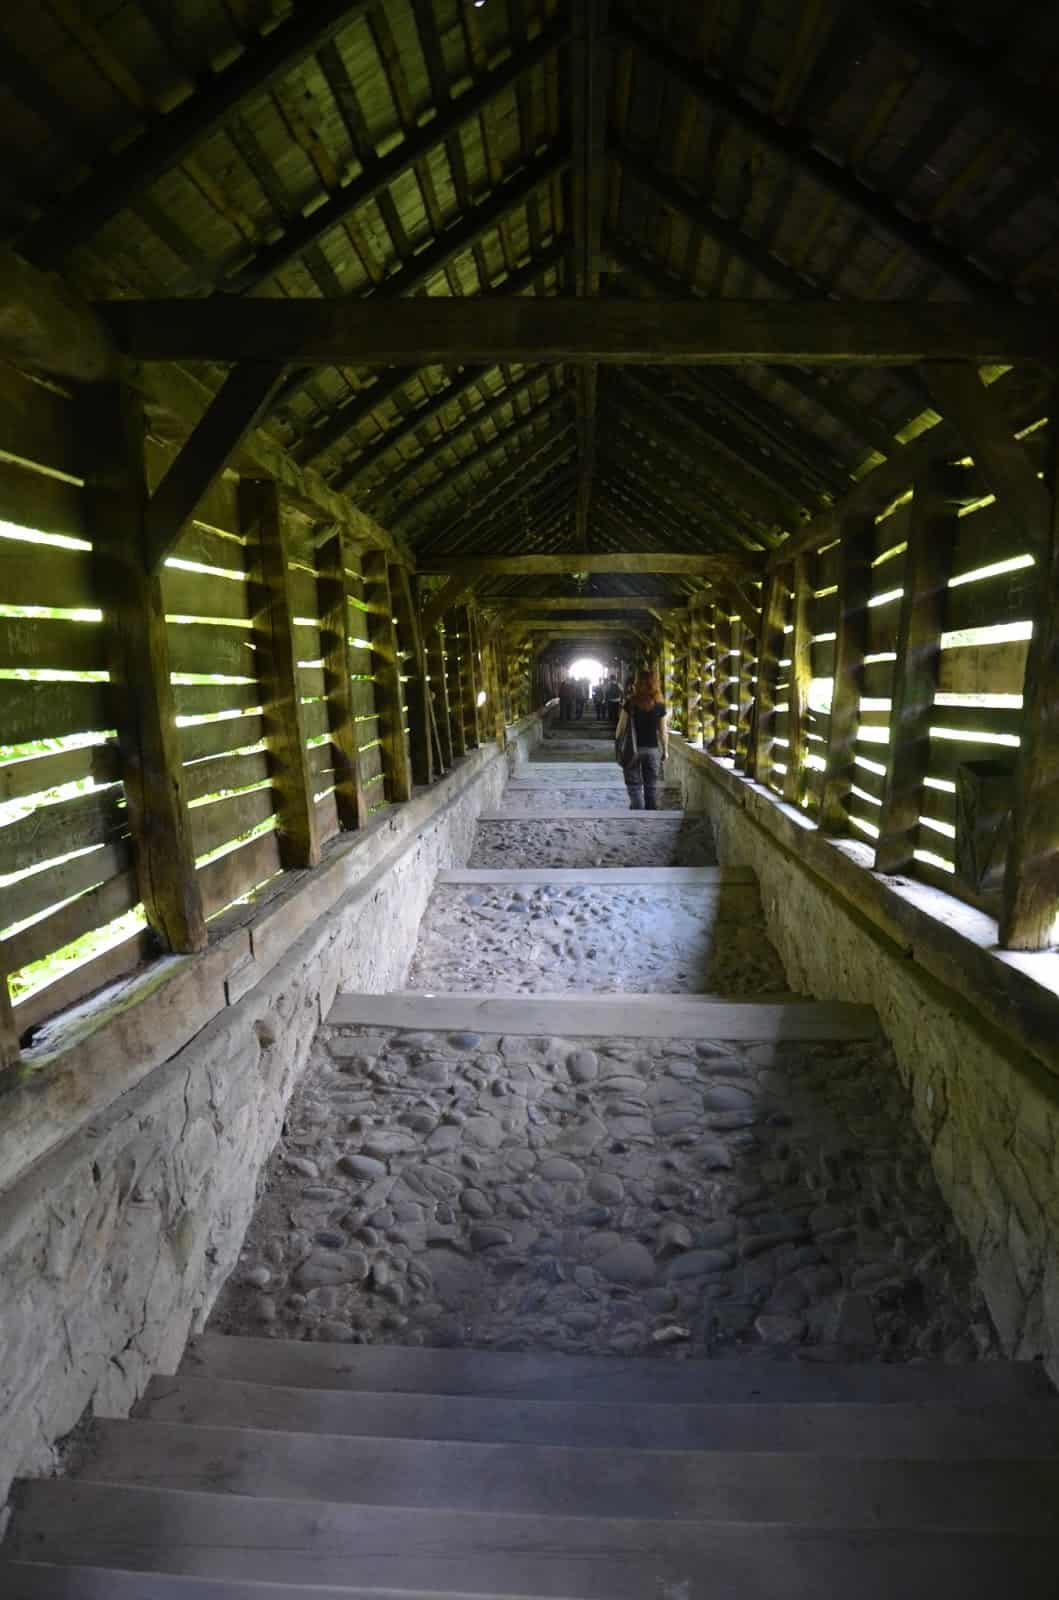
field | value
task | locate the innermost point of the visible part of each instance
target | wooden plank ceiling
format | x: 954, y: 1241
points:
x: 735, y: 148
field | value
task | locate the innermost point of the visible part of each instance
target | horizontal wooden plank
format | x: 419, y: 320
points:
x: 208, y: 647
x: 363, y: 698
x: 84, y: 980
x: 223, y: 820
x: 36, y: 422
x: 238, y: 872
x: 327, y: 817
x: 314, y: 332
x: 321, y: 758
x: 873, y: 783
x: 978, y: 719
x: 984, y: 669
x: 45, y: 575
x: 878, y: 680
x: 37, y: 774
x: 217, y: 508
x: 35, y: 642
x: 308, y: 642
x: 89, y: 911
x: 58, y: 829
x: 34, y: 710
x: 687, y: 564
x: 42, y: 504
x: 316, y: 719
x: 199, y: 594
x: 35, y: 893
x: 822, y: 658
x: 205, y: 699
x: 948, y: 754
x: 216, y: 738
x: 311, y: 682
x: 1009, y: 597
x: 985, y: 536
x: 882, y: 627
x: 304, y: 599
x: 370, y: 763
x: 225, y: 772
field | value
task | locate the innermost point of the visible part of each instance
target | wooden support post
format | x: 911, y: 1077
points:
x: 473, y: 680
x: 454, y: 646
x: 112, y: 428
x: 799, y: 676
x: 389, y: 701
x: 439, y: 688
x: 452, y: 591
x: 693, y: 686
x: 1030, y: 903
x: 491, y: 665
x: 262, y: 525
x: 416, y: 688
x: 854, y: 592
x: 770, y: 651
x: 928, y: 563
x: 722, y: 634
x: 338, y: 566
x: 745, y: 694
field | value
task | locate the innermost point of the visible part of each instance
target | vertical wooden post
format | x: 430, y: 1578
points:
x: 454, y: 676
x: 798, y: 679
x: 338, y: 566
x: 389, y: 701
x: 416, y: 689
x: 693, y: 726
x: 439, y: 689
x: 495, y: 703
x: 745, y: 695
x: 112, y: 427
x: 771, y: 639
x: 722, y: 631
x: 928, y: 563
x: 1030, y: 902
x: 468, y: 671
x: 854, y: 591
x: 262, y: 525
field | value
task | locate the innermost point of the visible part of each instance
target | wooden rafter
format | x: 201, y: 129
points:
x: 375, y: 332
x: 542, y: 458
x: 695, y: 564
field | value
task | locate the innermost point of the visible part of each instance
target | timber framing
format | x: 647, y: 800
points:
x: 691, y: 332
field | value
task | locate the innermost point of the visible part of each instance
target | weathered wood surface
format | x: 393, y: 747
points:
x: 545, y: 604
x: 453, y: 647
x: 922, y: 619
x: 799, y: 676
x: 439, y: 688
x: 101, y: 762
x: 854, y: 590
x: 389, y: 700
x: 232, y: 875
x: 690, y: 564
x: 10, y: 1054
x: 284, y: 714
x: 450, y: 594
x: 221, y: 821
x: 416, y: 688
x: 46, y: 328
x: 142, y: 702
x: 1030, y: 908
x: 338, y: 567
x: 99, y: 906
x: 451, y: 330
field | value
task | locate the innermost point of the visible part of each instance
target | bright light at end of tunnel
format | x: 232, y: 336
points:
x: 481, y: 698
x: 586, y: 667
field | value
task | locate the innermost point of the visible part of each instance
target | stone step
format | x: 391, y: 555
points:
x: 627, y: 1016
x: 913, y: 1430
x: 706, y: 878
x: 1014, y: 1496
x: 613, y: 1379
x: 582, y: 814
x: 316, y: 1543
x: 24, y: 1580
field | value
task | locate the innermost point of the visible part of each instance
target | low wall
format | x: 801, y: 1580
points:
x: 130, y: 1153
x: 975, y: 1030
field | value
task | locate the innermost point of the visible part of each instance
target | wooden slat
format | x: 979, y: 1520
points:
x: 853, y: 576
x: 284, y: 715
x: 327, y: 816
x: 36, y: 422
x: 217, y: 738
x: 40, y: 773
x: 225, y: 772
x: 75, y: 985
x: 304, y: 600
x: 221, y: 821
x: 45, y: 575
x: 232, y: 875
x: 203, y: 647
x: 388, y: 696
x: 205, y: 699
x: 927, y: 567
x: 200, y: 594
x: 338, y: 566
x: 58, y: 829
x: 38, y: 890
x: 209, y: 547
x: 91, y: 910
x: 1009, y: 597
x: 112, y: 422
x: 314, y: 719
x: 35, y: 642
x: 31, y: 711
x: 984, y: 669
x: 41, y: 504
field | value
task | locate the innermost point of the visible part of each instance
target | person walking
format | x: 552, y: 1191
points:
x: 599, y: 701
x: 646, y: 710
x: 612, y: 696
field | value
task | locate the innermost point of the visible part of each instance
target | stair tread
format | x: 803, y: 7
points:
x: 24, y: 1580
x: 683, y: 1016
x: 715, y: 878
x: 314, y: 1543
x: 836, y: 1428
x: 582, y: 814
x: 547, y: 1480
x: 581, y: 1378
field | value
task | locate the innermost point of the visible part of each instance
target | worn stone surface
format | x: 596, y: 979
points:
x: 615, y: 842
x: 596, y: 1215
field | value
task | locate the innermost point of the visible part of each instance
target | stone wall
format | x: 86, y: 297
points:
x: 986, y: 1103
x: 115, y: 1241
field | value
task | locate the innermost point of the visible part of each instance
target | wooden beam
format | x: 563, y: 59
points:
x: 111, y: 426
x: 236, y: 409
x: 439, y: 688
x: 799, y: 676
x: 450, y: 594
x: 539, y: 459
x: 276, y: 655
x: 794, y: 147
x: 338, y: 575
x: 1001, y: 459
x: 928, y: 563
x: 469, y: 675
x: 389, y: 700
x: 854, y: 591
x: 589, y: 603
x: 1030, y: 904
x: 45, y: 327
x: 316, y: 332
x: 454, y: 684
x: 168, y: 139
x: 415, y: 688
x: 694, y: 564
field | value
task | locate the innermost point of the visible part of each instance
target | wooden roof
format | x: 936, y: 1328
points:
x: 739, y: 149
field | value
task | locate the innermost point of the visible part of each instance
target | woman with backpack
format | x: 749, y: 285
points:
x: 641, y: 742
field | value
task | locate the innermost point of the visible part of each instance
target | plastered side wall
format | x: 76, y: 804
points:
x: 114, y: 1243
x: 987, y: 1111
